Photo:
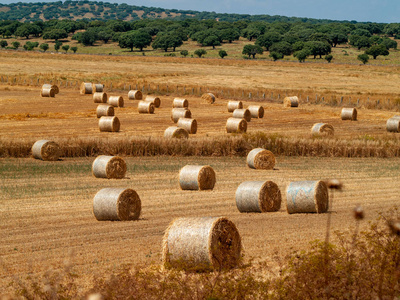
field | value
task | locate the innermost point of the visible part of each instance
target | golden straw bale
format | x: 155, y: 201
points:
x: 242, y: 113
x: 258, y: 196
x: 193, y: 177
x: 232, y: 105
x: 105, y: 166
x: 110, y: 124
x: 307, y: 197
x: 135, y: 95
x: 47, y: 92
x: 51, y: 86
x: 176, y: 132
x: 100, y: 97
x: 190, y: 125
x: 180, y: 103
x: 208, y: 98
x: 201, y: 244
x: 153, y: 99
x: 260, y: 158
x: 46, y: 150
x: 86, y: 88
x: 104, y: 110
x: 291, y: 101
x: 322, y: 129
x: 116, y: 101
x: 393, y: 124
x: 256, y: 111
x: 97, y: 87
x: 145, y: 107
x: 116, y: 204
x: 349, y: 114
x: 234, y: 125
x: 178, y: 113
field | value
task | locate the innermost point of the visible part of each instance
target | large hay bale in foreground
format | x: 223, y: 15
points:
x: 322, y: 129
x: 135, y: 95
x: 260, y: 158
x: 242, y: 113
x: 193, y: 177
x: 200, y: 244
x: 234, y: 125
x: 291, y: 101
x: 176, y: 132
x: 349, y: 114
x: 145, y: 107
x: 153, y: 99
x: 256, y: 111
x: 208, y: 98
x: 116, y: 204
x: 51, y: 86
x: 46, y: 150
x: 86, y: 88
x: 109, y: 124
x: 232, y: 105
x: 307, y: 197
x: 190, y: 125
x: 111, y: 167
x: 100, y: 97
x: 393, y: 124
x: 116, y: 101
x: 47, y: 92
x: 177, y: 113
x: 258, y: 196
x: 104, y: 110
x: 180, y: 103
x: 97, y: 87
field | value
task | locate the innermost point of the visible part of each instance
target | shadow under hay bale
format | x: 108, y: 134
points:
x: 116, y: 204
x: 322, y: 129
x: 104, y: 110
x: 111, y: 167
x: 45, y: 92
x: 232, y: 105
x: 201, y: 244
x: 135, y: 95
x: 180, y: 103
x: 116, y: 101
x: 256, y: 111
x: 46, y: 150
x: 393, y: 124
x: 208, y: 98
x: 291, y: 101
x: 100, y: 97
x: 258, y: 196
x: 153, y: 99
x: 145, y: 107
x: 178, y: 113
x: 176, y: 133
x: 109, y: 124
x: 242, y: 113
x: 51, y: 86
x: 190, y: 125
x: 307, y: 197
x: 97, y: 87
x: 349, y: 114
x: 260, y: 158
x: 193, y: 177
x: 234, y: 125
x: 86, y: 88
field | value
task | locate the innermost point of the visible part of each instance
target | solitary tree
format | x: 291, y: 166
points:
x: 200, y: 52
x: 44, y: 47
x: 16, y: 45
x: 57, y: 45
x: 252, y: 50
x: 329, y: 58
x: 377, y: 50
x: 65, y: 48
x: 222, y: 53
x: 3, y: 43
x: 211, y: 40
x: 363, y: 58
x: 184, y: 53
x: 74, y: 49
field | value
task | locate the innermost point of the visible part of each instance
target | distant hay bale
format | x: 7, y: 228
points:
x: 234, y: 125
x: 349, y: 114
x: 208, y: 98
x: 260, y: 158
x: 109, y: 124
x: 190, y: 125
x: 256, y: 111
x: 242, y: 113
x: 86, y: 88
x: 180, y: 103
x: 51, y: 86
x: 193, y: 177
x: 153, y: 99
x: 116, y: 204
x: 307, y: 197
x: 103, y: 110
x: 111, y: 167
x: 393, y: 124
x: 145, y: 107
x: 116, y: 101
x: 46, y: 150
x: 258, y: 196
x: 178, y: 113
x: 135, y: 95
x: 291, y: 101
x: 97, y: 87
x: 201, y: 244
x: 100, y: 97
x: 176, y: 132
x: 47, y: 92
x: 232, y: 105
x: 322, y: 129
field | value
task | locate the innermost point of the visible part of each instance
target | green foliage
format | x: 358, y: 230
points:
x: 135, y: 39
x: 222, y: 53
x: 276, y: 55
x: 200, y: 52
x: 282, y: 47
x: 57, y: 45
x: 74, y: 49
x: 55, y: 34
x: 252, y: 50
x: 268, y: 39
x: 167, y: 40
x: 360, y: 41
x: 364, y: 58
x: 318, y: 48
x: 30, y: 45
x: 3, y: 44
x: 211, y: 40
x: 329, y: 58
x: 184, y: 53
x: 88, y: 37
x: 16, y: 45
x: 302, y: 55
x: 377, y: 50
x: 44, y: 47
x: 65, y: 48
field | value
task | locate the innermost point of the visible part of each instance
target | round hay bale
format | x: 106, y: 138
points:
x: 234, y: 125
x: 208, y: 98
x: 109, y: 124
x: 116, y: 204
x: 46, y: 150
x: 349, y: 114
x: 232, y: 105
x: 291, y: 101
x: 180, y: 103
x: 47, y: 92
x: 105, y: 166
x: 393, y: 124
x: 260, y: 158
x: 86, y: 88
x: 51, y: 86
x: 256, y: 111
x: 193, y: 177
x: 205, y: 243
x: 104, y: 110
x: 258, y: 196
x: 153, y: 99
x: 145, y: 107
x: 322, y: 129
x: 135, y: 95
x: 242, y: 113
x: 176, y: 132
x: 307, y: 197
x: 100, y: 97
x: 97, y: 87
x: 190, y: 125
x: 116, y: 101
x: 178, y: 113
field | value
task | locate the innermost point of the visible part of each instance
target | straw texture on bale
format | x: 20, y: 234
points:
x: 98, y: 87
x: 232, y: 105
x: 135, y: 95
x: 100, y: 97
x: 242, y: 113
x: 208, y: 98
x: 47, y: 92
x: 307, y: 197
x: 46, y: 150
x: 349, y: 114
x: 116, y: 101
x: 180, y: 103
x: 104, y: 110
x: 110, y: 124
x: 145, y: 107
x: 201, y: 244
x: 291, y: 101
x: 393, y: 124
x: 111, y: 167
x: 192, y: 177
x: 256, y: 111
x: 51, y: 86
x: 178, y: 113
x: 190, y: 125
x: 234, y: 125
x: 86, y: 88
x: 258, y: 196
x: 116, y: 204
x: 176, y: 132
x: 260, y: 158
x: 322, y: 129
x: 153, y: 99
